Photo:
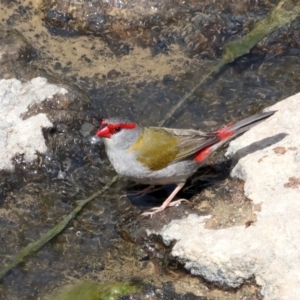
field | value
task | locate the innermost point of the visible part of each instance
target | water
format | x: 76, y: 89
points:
x: 143, y: 82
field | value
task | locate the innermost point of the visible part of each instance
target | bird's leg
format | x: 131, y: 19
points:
x: 149, y: 189
x: 167, y: 202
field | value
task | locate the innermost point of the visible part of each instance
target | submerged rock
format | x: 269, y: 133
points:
x: 201, y: 26
x: 269, y: 162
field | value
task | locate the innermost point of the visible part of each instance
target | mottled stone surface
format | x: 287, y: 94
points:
x: 268, y: 159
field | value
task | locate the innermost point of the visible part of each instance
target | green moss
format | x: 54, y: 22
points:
x: 88, y: 290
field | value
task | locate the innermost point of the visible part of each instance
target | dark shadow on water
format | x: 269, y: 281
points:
x: 206, y: 177
x: 151, y: 199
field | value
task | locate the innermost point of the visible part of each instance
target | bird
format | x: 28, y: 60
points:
x: 161, y: 156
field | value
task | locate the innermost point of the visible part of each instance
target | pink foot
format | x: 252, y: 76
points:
x: 155, y: 210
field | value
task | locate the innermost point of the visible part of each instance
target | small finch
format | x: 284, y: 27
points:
x: 160, y: 156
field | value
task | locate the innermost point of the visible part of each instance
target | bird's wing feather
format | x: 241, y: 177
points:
x: 191, y: 141
x: 159, y: 147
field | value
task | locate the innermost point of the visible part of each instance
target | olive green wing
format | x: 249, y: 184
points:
x: 159, y: 147
x: 155, y: 148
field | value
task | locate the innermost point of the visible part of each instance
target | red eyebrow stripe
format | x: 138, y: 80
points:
x: 123, y: 125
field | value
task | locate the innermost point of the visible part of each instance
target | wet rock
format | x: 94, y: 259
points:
x: 76, y: 169
x: 13, y: 47
x: 201, y: 26
x: 267, y: 249
x: 113, y: 16
x: 113, y: 74
x: 134, y: 229
x: 15, y: 51
x: 200, y: 29
x: 32, y: 105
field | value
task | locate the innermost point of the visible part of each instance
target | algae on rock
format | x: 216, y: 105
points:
x: 88, y: 290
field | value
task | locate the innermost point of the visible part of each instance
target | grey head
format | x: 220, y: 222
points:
x: 118, y: 133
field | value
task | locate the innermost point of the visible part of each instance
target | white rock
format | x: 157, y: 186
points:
x: 269, y: 249
x: 18, y: 135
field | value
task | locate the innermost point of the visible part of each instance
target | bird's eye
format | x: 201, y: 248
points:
x: 118, y: 128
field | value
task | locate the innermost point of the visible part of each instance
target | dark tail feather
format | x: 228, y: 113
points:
x: 246, y: 124
x: 232, y: 130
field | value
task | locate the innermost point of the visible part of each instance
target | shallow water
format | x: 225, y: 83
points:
x: 142, y: 86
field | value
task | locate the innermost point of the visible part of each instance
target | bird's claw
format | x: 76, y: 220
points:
x: 177, y: 202
x: 148, y: 213
x: 155, y: 210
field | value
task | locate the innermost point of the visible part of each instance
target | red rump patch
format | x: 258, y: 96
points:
x: 225, y: 132
x: 201, y: 155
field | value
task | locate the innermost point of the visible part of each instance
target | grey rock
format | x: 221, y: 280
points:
x: 18, y: 135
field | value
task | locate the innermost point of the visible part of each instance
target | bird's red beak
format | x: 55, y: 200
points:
x: 103, y: 132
